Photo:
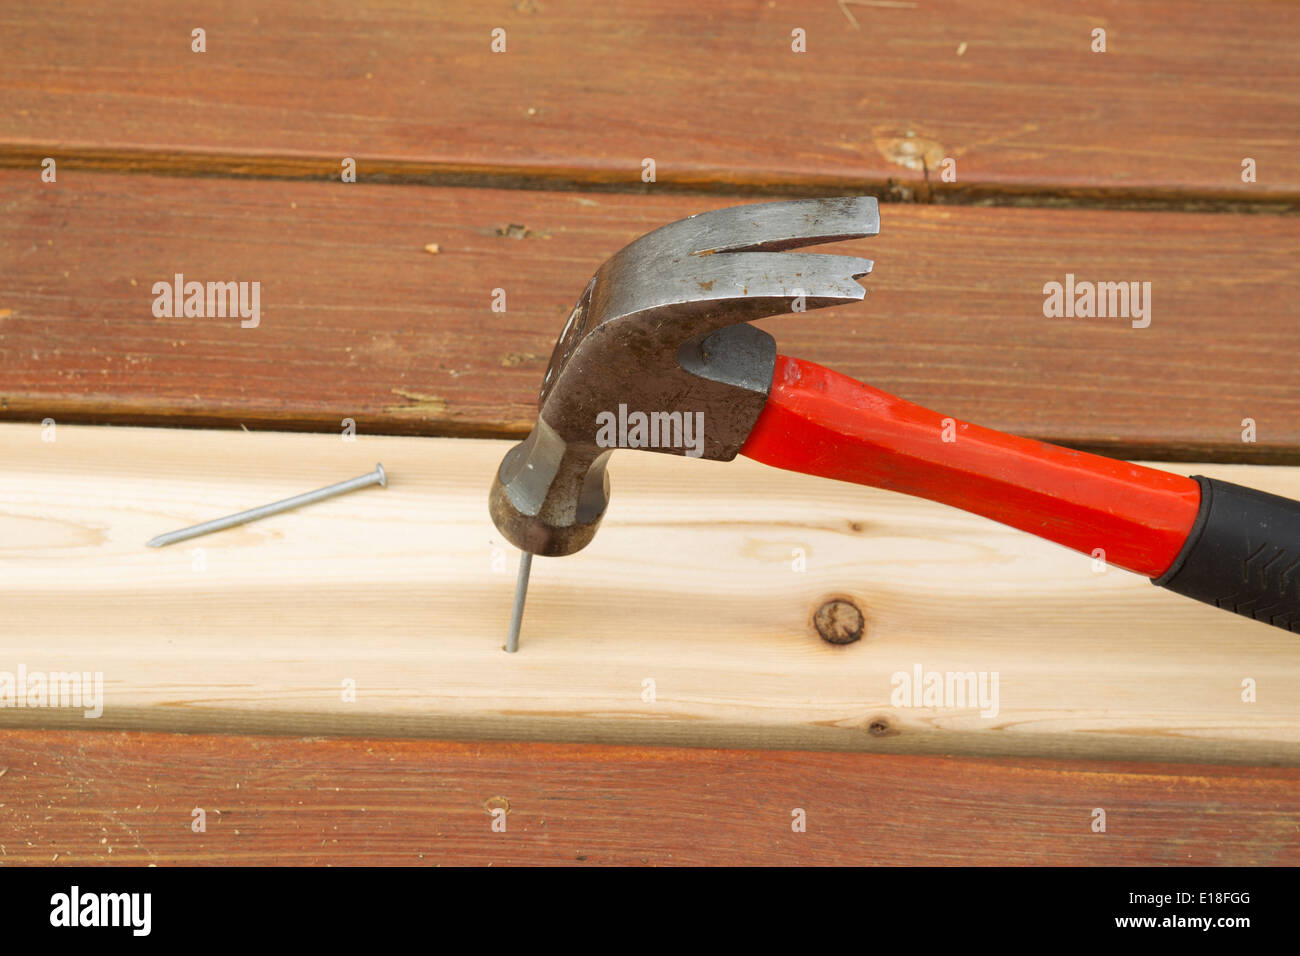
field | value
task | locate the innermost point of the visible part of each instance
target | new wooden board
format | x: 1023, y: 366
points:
x: 685, y: 622
x: 130, y: 798
x: 358, y: 320
x: 714, y: 94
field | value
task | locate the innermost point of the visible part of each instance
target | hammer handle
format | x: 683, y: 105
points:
x: 1235, y: 548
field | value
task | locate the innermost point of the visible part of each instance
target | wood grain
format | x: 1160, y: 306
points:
x: 685, y: 622
x: 129, y: 798
x: 360, y: 321
x: 584, y: 92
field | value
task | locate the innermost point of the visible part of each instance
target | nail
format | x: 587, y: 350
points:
x: 521, y: 592
x: 376, y: 477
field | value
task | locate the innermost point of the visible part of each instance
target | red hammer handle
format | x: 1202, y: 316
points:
x: 820, y: 422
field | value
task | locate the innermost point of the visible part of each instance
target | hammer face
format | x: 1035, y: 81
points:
x: 549, y: 495
x: 659, y: 339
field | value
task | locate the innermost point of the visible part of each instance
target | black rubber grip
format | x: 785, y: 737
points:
x: 1242, y: 555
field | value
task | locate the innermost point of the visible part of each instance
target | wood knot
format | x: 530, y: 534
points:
x: 880, y: 727
x: 908, y: 147
x: 839, y: 622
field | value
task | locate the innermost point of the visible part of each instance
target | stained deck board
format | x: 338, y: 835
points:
x: 360, y: 321
x: 81, y: 797
x: 1013, y: 92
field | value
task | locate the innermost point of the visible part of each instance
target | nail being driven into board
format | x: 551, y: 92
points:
x: 521, y: 592
x: 376, y: 477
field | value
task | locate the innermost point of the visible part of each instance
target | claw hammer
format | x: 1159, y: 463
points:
x: 662, y: 330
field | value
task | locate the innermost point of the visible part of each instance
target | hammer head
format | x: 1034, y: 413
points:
x: 657, y: 355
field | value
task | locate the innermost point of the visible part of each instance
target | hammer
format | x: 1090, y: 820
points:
x: 657, y: 355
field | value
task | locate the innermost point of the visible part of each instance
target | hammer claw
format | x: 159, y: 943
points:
x: 776, y: 226
x: 738, y: 287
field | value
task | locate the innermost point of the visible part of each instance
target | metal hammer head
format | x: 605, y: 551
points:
x: 657, y: 355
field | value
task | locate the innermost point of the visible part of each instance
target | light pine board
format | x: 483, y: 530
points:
x: 406, y: 591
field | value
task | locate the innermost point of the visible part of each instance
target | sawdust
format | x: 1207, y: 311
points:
x: 418, y: 403
x: 515, y: 359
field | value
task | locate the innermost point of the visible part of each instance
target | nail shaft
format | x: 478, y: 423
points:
x: 521, y: 591
x: 376, y: 477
